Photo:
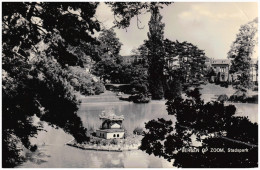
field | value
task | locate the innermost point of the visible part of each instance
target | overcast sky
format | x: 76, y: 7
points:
x: 210, y: 26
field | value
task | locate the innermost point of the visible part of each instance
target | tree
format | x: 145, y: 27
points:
x: 241, y: 52
x: 40, y: 41
x: 209, y: 73
x: 108, y: 63
x: 139, y: 79
x: 155, y: 54
x: 84, y: 82
x: 36, y: 42
x: 109, y: 46
x: 184, y: 67
x: 214, y: 126
x: 125, y: 11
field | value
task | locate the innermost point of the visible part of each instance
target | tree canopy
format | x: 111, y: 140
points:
x: 37, y: 38
x: 211, y: 124
x: 240, y: 54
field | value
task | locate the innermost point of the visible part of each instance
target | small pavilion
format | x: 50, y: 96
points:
x: 111, y: 126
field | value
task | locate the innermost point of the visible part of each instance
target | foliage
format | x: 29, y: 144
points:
x: 139, y: 98
x: 222, y: 98
x: 109, y: 63
x: 156, y: 53
x: 212, y: 124
x: 243, y: 98
x: 84, y: 83
x: 139, y: 78
x: 39, y: 43
x: 209, y: 73
x: 114, y: 142
x: 241, y: 52
x: 104, y: 142
x: 184, y: 67
x: 138, y: 131
x: 109, y: 45
x: 125, y: 11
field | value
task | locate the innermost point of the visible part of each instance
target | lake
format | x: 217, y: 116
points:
x: 53, y: 153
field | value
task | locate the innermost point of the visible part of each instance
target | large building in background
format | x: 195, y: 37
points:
x: 221, y: 68
x: 129, y: 59
x: 254, y: 70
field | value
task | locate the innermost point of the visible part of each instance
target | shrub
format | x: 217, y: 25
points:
x: 99, y: 88
x: 97, y: 141
x: 222, y: 98
x: 139, y: 98
x: 84, y: 82
x: 114, y: 142
x: 244, y: 99
x: 104, y: 142
x: 224, y: 84
x: 138, y: 131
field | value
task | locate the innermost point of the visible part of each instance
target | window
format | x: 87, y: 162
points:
x: 117, y: 135
x: 114, y: 135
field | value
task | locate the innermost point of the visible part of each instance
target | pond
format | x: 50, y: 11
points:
x: 135, y: 115
x: 53, y: 153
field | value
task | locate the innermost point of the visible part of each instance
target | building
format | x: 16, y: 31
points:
x: 111, y: 127
x: 221, y: 68
x: 132, y: 59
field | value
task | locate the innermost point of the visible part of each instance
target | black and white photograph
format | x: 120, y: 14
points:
x: 129, y: 84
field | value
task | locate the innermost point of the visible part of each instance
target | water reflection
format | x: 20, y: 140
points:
x: 134, y: 114
x: 54, y: 154
x: 69, y: 157
x: 58, y: 155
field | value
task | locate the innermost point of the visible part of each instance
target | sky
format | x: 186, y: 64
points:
x: 211, y: 26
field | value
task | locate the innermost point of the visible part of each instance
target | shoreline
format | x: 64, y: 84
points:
x: 109, y: 148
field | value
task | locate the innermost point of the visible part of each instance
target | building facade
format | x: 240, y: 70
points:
x: 111, y: 127
x: 221, y: 68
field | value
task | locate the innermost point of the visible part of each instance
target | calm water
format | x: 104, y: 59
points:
x: 53, y: 153
x: 135, y: 114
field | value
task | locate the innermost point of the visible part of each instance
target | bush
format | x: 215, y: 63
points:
x: 96, y: 141
x: 222, y: 98
x: 84, y: 82
x: 99, y: 88
x: 224, y: 84
x: 104, y: 142
x: 114, y: 142
x: 138, y: 131
x: 139, y: 98
x: 94, y: 134
x: 244, y: 99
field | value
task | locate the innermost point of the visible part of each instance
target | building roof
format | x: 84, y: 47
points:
x: 220, y: 61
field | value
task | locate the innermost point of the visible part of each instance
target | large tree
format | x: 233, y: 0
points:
x: 156, y: 54
x: 184, y: 67
x: 213, y: 125
x: 37, y: 38
x: 240, y: 54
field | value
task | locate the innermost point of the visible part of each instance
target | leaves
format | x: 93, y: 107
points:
x: 241, y: 52
x: 38, y: 38
x: 212, y: 123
